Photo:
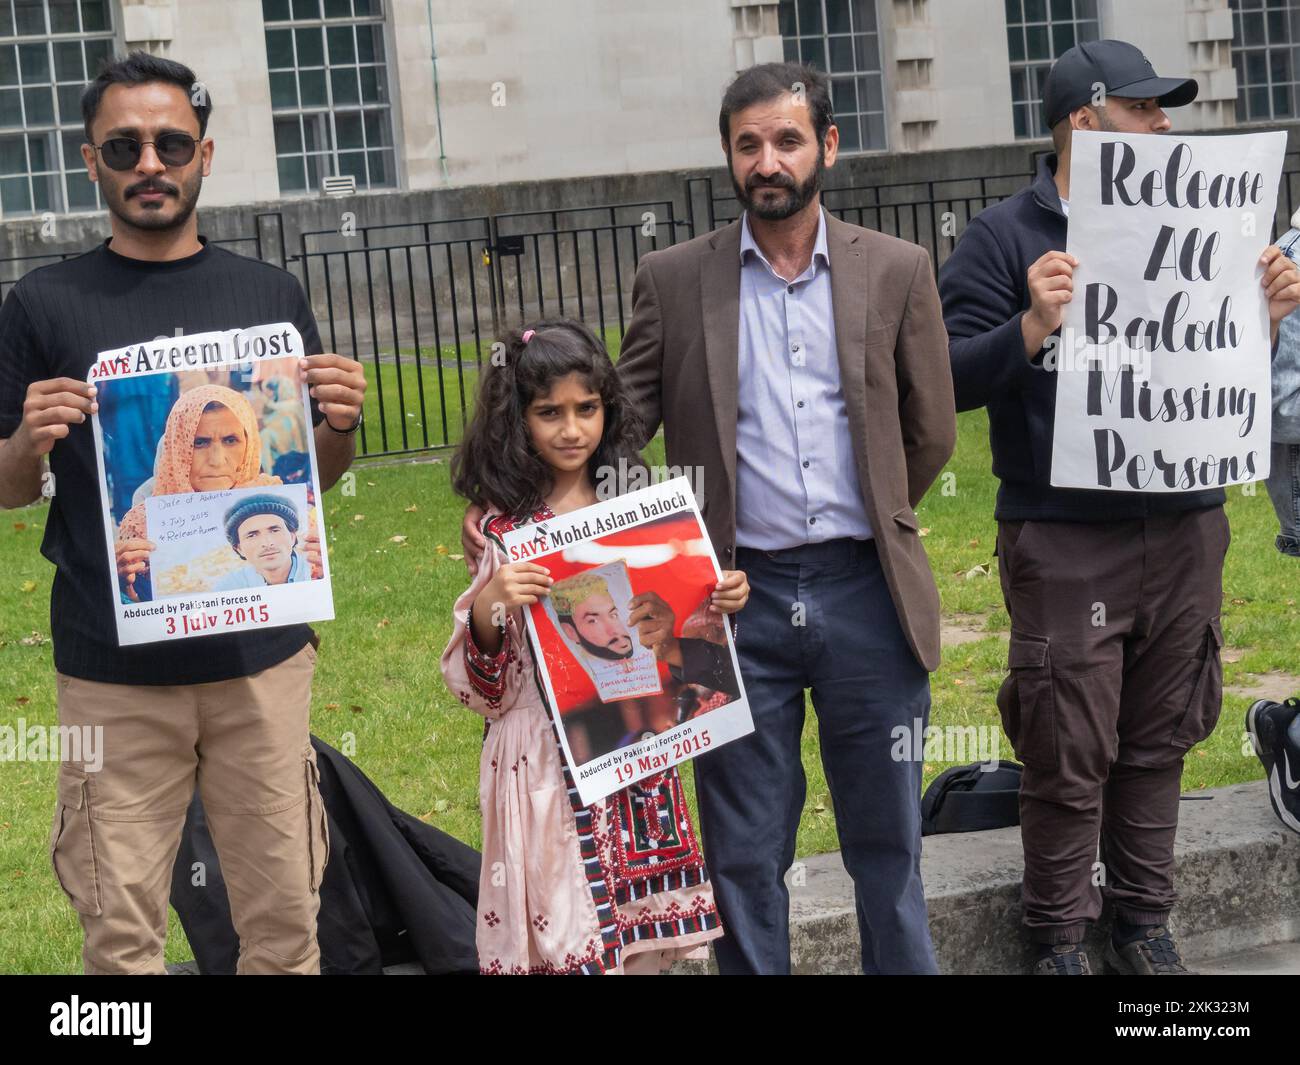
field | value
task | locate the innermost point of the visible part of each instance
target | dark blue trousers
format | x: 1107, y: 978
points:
x: 819, y: 617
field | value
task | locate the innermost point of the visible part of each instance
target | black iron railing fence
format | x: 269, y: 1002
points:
x: 422, y: 303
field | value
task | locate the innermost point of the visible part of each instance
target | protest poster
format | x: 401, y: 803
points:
x: 624, y: 713
x: 1163, y: 362
x: 209, y: 485
x: 596, y: 602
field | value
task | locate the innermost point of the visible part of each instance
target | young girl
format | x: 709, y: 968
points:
x: 562, y: 890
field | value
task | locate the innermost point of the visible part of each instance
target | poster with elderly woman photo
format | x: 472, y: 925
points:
x: 209, y: 484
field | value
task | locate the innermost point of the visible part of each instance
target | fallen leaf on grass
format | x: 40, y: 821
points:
x: 924, y: 531
x: 457, y: 558
x: 399, y: 539
x: 29, y: 586
x: 412, y: 509
x: 36, y: 639
x: 19, y: 526
x: 331, y: 706
x: 982, y: 570
x: 441, y: 549
x: 441, y: 806
x: 22, y: 700
x: 358, y: 517
x: 383, y: 623
x: 357, y: 709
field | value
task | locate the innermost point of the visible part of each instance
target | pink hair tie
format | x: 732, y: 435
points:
x: 529, y: 334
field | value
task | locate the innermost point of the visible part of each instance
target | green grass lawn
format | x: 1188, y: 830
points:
x: 379, y: 695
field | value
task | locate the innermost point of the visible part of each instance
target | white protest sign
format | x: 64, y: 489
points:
x: 211, y: 501
x: 622, y: 714
x: 1162, y: 366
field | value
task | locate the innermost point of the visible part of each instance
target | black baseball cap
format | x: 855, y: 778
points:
x: 1120, y: 67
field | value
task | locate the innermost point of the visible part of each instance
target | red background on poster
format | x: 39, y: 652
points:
x: 683, y: 583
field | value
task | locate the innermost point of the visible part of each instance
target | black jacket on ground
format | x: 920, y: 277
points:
x: 395, y: 889
x: 984, y: 294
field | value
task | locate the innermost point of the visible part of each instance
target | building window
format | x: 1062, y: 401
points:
x: 329, y: 92
x: 1264, y: 36
x: 1038, y: 32
x: 49, y: 50
x: 842, y: 39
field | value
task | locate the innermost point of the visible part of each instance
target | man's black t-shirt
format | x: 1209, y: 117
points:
x: 53, y: 324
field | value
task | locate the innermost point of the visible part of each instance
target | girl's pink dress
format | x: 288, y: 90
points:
x: 567, y: 888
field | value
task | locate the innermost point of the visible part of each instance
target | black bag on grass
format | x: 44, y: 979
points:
x: 966, y: 798
x: 395, y: 889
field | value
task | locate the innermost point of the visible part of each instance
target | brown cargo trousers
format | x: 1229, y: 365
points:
x: 1114, y: 674
x: 116, y: 831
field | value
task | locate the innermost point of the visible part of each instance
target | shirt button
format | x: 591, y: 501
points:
x: 794, y: 347
x: 812, y: 521
x: 799, y: 404
x: 806, y: 464
x: 790, y: 289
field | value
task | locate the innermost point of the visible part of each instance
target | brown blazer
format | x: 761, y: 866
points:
x: 679, y: 364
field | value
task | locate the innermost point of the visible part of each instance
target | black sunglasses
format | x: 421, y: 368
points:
x: 122, y: 153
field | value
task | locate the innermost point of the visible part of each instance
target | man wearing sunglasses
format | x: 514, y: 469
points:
x: 226, y: 712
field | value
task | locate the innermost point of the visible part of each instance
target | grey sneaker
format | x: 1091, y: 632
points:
x: 1267, y: 722
x: 1153, y: 955
x: 1066, y: 959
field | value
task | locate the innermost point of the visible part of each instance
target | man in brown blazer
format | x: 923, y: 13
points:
x: 799, y: 365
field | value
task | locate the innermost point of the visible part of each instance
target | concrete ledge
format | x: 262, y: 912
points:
x: 1237, y: 873
x: 1237, y: 870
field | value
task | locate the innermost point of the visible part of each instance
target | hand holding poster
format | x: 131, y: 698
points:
x: 640, y: 675
x: 1162, y: 369
x: 209, y: 485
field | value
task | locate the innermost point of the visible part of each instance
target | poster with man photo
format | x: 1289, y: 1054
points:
x: 640, y: 673
x: 591, y: 610
x: 209, y: 485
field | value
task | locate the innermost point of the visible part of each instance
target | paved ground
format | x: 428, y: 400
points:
x: 1279, y: 959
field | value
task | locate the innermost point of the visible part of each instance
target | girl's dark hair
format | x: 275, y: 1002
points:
x: 495, y: 465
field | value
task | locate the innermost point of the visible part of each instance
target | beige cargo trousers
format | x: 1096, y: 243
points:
x: 245, y: 743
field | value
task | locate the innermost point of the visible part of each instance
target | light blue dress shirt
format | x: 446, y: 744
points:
x: 796, y: 475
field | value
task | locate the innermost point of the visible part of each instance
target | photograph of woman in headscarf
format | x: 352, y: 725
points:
x: 211, y: 443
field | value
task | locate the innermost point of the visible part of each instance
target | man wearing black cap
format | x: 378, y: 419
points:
x: 1114, y: 597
